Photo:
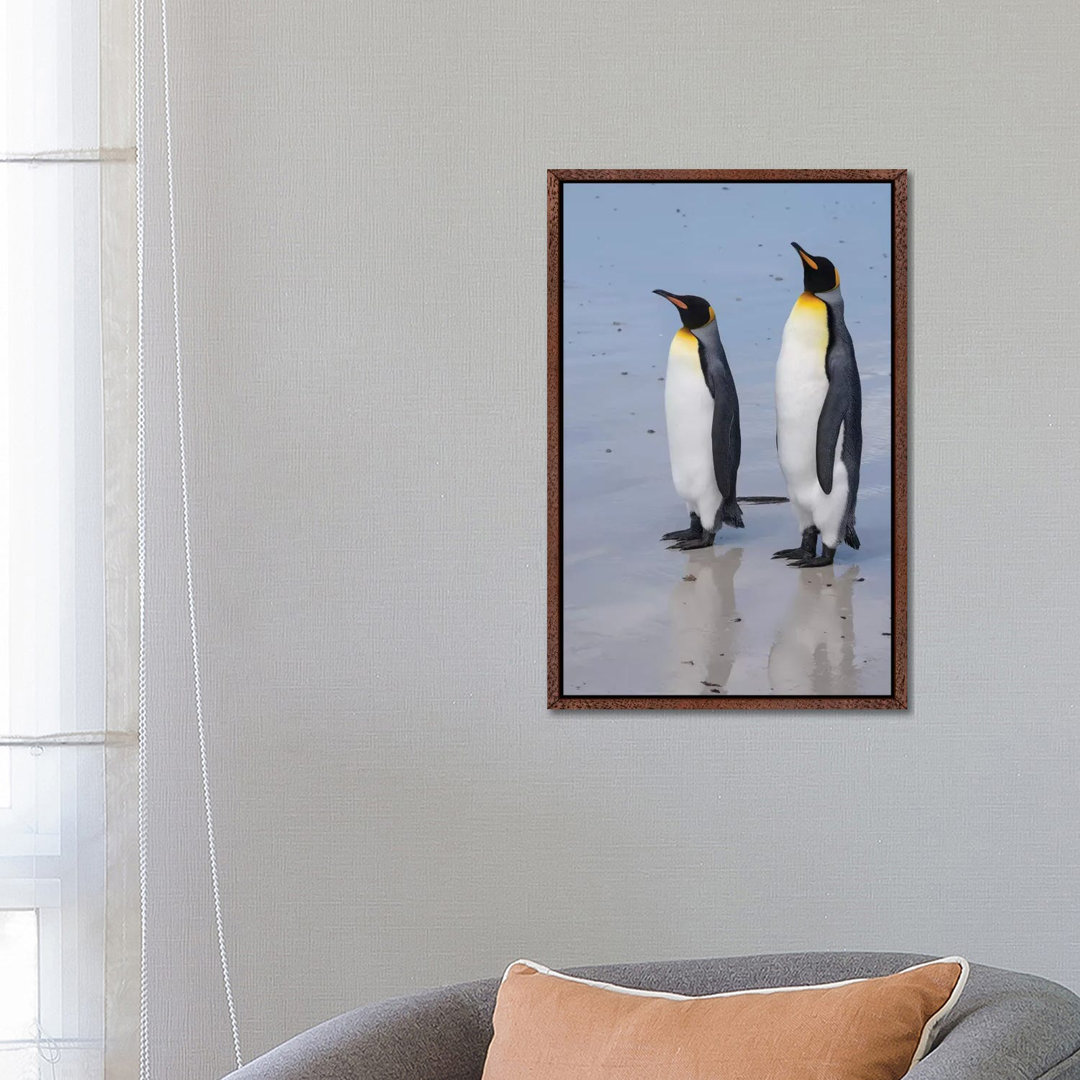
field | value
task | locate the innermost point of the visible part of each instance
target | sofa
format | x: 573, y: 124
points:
x: 1006, y: 1026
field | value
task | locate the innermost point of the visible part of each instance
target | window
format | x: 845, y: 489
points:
x: 52, y: 578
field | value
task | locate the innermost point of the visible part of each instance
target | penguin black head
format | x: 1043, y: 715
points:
x: 695, y: 312
x: 819, y: 275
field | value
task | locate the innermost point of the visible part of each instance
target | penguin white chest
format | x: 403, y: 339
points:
x: 688, y: 408
x: 801, y: 386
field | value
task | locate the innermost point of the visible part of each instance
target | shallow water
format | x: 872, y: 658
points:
x: 639, y: 619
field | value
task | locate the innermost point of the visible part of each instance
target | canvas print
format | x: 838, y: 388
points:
x: 727, y: 439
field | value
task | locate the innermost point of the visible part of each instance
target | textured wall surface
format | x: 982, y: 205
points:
x: 361, y: 211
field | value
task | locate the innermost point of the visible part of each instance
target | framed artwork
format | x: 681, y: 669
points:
x: 727, y: 439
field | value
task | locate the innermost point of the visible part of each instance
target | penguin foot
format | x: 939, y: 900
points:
x: 791, y: 553
x: 824, y: 559
x: 693, y: 533
x: 703, y: 541
x: 681, y: 534
x: 808, y: 548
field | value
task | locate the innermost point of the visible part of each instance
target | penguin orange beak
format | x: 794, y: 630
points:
x: 805, y: 258
x: 667, y: 296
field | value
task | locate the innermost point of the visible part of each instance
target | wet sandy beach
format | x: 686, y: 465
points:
x: 725, y: 620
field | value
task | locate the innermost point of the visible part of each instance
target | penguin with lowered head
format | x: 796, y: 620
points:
x: 702, y: 412
x: 819, y: 416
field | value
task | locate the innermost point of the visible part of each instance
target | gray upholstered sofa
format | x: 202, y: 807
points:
x: 1006, y: 1026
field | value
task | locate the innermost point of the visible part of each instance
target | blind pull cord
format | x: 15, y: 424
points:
x: 140, y: 455
x: 140, y: 80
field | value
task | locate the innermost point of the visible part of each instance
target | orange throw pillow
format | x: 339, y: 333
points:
x: 550, y: 1026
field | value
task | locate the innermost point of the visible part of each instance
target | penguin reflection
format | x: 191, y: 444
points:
x: 704, y: 622
x: 814, y: 649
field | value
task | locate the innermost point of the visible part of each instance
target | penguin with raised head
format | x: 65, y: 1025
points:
x: 702, y: 412
x: 819, y: 416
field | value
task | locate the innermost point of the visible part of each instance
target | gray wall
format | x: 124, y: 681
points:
x: 362, y: 232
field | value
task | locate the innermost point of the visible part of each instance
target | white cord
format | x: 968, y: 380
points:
x: 140, y: 453
x: 207, y: 803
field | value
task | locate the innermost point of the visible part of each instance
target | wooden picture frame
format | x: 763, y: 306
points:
x: 894, y: 693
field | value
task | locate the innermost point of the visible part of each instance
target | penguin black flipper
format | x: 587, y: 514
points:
x: 842, y: 407
x: 833, y: 411
x: 726, y: 432
x: 727, y: 450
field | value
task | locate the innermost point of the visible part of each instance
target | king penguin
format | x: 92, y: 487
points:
x: 819, y: 416
x: 702, y: 412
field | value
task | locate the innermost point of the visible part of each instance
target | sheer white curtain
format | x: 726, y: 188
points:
x: 54, y: 202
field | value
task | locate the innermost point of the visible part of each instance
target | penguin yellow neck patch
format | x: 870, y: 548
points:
x: 808, y: 302
x: 808, y: 324
x: 684, y: 347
